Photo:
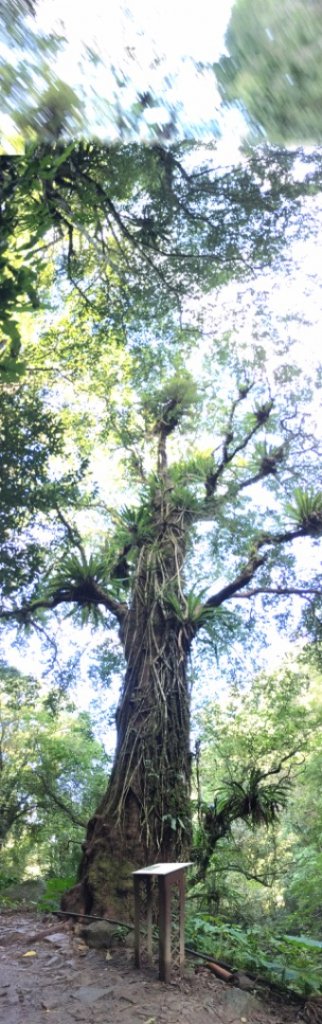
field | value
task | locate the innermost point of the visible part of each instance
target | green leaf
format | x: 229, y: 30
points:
x: 303, y: 940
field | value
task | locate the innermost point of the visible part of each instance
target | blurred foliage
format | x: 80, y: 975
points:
x: 34, y: 102
x: 273, y: 68
x: 114, y: 92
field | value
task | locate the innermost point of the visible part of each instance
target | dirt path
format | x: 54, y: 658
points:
x: 55, y: 977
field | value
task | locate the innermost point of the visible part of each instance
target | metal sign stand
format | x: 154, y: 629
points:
x: 168, y: 875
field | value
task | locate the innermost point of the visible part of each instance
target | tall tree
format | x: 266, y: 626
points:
x: 189, y: 427
x: 273, y: 68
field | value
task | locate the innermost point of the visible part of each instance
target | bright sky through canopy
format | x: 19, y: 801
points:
x: 170, y: 28
x: 151, y: 47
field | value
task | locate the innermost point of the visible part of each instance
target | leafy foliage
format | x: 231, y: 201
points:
x: 273, y: 68
x: 54, y: 889
x: 254, y: 800
x: 290, y: 962
x: 51, y: 772
x: 262, y: 888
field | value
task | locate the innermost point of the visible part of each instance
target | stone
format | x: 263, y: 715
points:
x: 243, y: 981
x: 10, y: 996
x: 57, y: 939
x: 239, y: 1003
x: 90, y: 994
x: 99, y: 934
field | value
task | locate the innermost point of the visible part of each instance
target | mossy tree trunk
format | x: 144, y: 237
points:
x: 145, y: 814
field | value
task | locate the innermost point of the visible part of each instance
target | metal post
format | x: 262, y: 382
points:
x: 137, y: 915
x: 149, y: 944
x: 181, y: 884
x: 164, y: 928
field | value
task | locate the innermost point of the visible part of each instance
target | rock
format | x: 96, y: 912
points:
x: 128, y: 940
x: 239, y: 1003
x: 57, y: 939
x: 99, y: 934
x: 29, y: 891
x: 90, y: 994
x: 244, y: 982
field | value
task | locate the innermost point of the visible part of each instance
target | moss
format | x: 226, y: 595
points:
x: 111, y: 884
x: 107, y: 873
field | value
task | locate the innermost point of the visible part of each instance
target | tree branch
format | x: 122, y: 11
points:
x: 255, y: 561
x: 263, y: 880
x: 278, y: 767
x: 228, y: 454
x: 72, y: 532
x: 241, y: 581
x: 88, y: 592
x: 60, y: 802
x: 133, y: 240
x: 305, y: 592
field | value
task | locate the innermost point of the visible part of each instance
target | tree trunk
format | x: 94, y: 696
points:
x: 144, y: 816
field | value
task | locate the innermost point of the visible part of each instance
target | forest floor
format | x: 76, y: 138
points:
x: 48, y: 973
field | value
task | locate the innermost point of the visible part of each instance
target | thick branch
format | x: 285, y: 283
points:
x: 278, y: 767
x: 241, y: 581
x: 262, y: 879
x: 88, y: 592
x: 255, y: 561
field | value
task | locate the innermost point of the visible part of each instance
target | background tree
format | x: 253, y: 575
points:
x: 273, y: 68
x: 255, y: 753
x: 190, y: 426
x: 259, y: 906
x: 52, y: 772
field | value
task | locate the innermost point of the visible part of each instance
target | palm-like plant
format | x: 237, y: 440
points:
x: 254, y: 801
x: 75, y: 569
x: 306, y: 511
x: 190, y: 607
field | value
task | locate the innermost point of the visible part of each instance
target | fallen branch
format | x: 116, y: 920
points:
x: 220, y: 972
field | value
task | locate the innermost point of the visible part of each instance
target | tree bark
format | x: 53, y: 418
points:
x: 144, y: 816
